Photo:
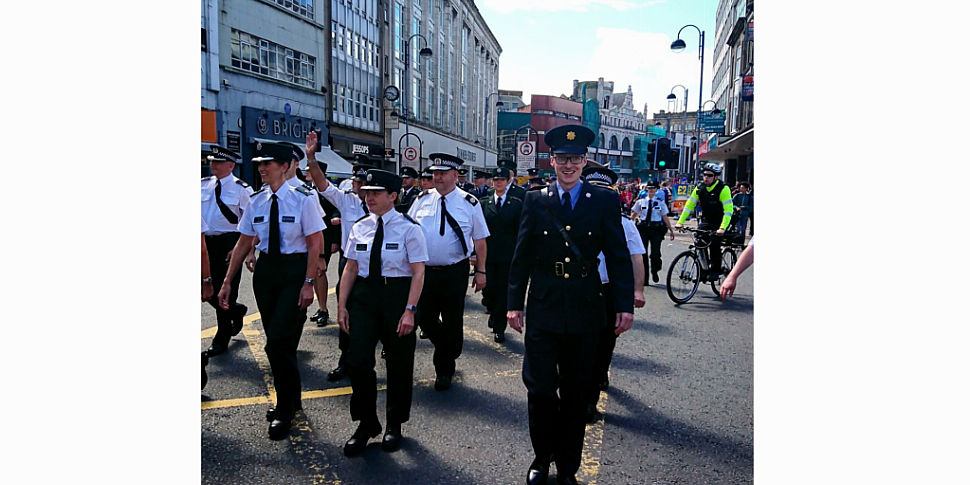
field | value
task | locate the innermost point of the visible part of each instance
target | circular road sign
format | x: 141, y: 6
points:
x: 526, y: 148
x: 410, y: 154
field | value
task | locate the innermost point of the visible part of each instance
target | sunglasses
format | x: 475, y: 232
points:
x: 708, y: 175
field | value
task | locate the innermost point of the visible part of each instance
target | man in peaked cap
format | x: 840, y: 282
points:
x: 224, y: 199
x: 479, y: 189
x: 409, y: 191
x: 463, y: 182
x: 502, y: 209
x: 563, y: 228
x: 454, y: 227
x: 426, y: 180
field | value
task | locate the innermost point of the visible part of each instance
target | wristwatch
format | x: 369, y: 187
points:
x: 413, y: 308
x: 207, y: 280
x: 308, y: 280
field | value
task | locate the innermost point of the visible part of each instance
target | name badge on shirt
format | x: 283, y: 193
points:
x: 289, y: 219
x: 391, y: 246
x: 361, y: 247
x: 257, y: 219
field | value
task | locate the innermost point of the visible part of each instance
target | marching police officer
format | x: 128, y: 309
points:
x: 286, y: 220
x: 426, y: 181
x: 564, y: 226
x: 604, y: 177
x: 453, y: 226
x: 408, y: 191
x: 463, y: 182
x: 651, y: 213
x: 352, y: 207
x: 224, y: 200
x: 502, y: 211
x: 479, y: 189
x: 382, y: 283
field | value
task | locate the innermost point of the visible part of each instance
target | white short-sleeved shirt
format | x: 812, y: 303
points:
x: 467, y: 212
x: 351, y: 209
x: 633, y: 242
x: 234, y: 194
x: 299, y: 218
x: 205, y: 227
x: 659, y: 207
x: 295, y: 182
x: 404, y: 244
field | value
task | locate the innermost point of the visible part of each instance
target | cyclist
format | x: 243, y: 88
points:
x: 716, y: 207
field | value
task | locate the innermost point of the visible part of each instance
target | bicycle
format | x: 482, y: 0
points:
x: 691, y: 267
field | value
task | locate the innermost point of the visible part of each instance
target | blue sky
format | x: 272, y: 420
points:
x: 548, y: 43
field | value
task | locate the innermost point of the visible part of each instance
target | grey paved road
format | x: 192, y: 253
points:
x: 679, y: 409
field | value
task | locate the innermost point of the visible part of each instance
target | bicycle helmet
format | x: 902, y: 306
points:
x: 713, y: 167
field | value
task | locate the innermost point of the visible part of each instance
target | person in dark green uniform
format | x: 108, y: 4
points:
x: 286, y: 220
x: 502, y: 212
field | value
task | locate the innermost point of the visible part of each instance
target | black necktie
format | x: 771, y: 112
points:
x: 649, y: 210
x: 274, y: 227
x: 567, y: 205
x: 498, y: 206
x: 364, y: 205
x: 375, y: 250
x: 232, y: 218
x: 444, y: 214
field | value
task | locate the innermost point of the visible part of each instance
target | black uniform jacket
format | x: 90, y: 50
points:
x: 503, y: 227
x: 574, y: 304
x: 406, y: 199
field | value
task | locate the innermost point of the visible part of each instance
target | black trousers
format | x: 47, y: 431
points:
x: 375, y: 310
x: 652, y: 235
x: 604, y: 348
x: 496, y: 294
x: 444, y: 296
x: 557, y: 421
x: 219, y: 247
x: 715, y: 248
x: 277, y: 283
x: 343, y: 340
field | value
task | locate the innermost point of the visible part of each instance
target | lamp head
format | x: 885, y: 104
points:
x: 678, y: 45
x: 671, y: 96
x: 425, y: 53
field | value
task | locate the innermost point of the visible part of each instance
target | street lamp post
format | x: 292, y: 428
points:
x: 499, y: 104
x: 678, y: 46
x: 425, y: 53
x: 714, y: 112
x: 673, y: 96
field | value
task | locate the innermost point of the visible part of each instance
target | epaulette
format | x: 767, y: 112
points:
x: 537, y: 187
x: 423, y: 193
x: 471, y: 198
x: 259, y: 191
x: 308, y: 186
x: 243, y: 183
x: 410, y: 219
x: 362, y: 218
x: 515, y: 198
x: 348, y: 191
x: 208, y: 178
x: 303, y: 190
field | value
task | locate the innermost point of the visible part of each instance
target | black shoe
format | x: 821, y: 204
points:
x: 538, y: 472
x: 358, y: 441
x: 337, y: 374
x: 239, y: 311
x: 500, y: 337
x: 590, y: 413
x: 316, y: 316
x: 392, y: 437
x: 567, y: 479
x: 605, y: 384
x: 423, y: 335
x: 656, y: 277
x: 216, y: 349
x: 442, y: 383
x: 279, y: 428
x: 271, y: 412
x: 490, y: 322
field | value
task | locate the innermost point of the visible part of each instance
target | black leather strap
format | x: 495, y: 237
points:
x: 232, y: 218
x: 461, y: 237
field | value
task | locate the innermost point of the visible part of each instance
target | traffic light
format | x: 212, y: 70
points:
x: 651, y: 154
x: 663, y: 154
x: 674, y: 160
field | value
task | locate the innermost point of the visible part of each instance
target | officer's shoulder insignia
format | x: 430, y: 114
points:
x: 258, y: 192
x: 211, y: 177
x: 362, y: 218
x: 348, y: 191
x: 243, y: 183
x: 471, y: 198
x: 410, y: 218
x: 303, y: 190
x: 511, y: 197
x: 423, y: 193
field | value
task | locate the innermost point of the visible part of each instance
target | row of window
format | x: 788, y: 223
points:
x: 354, y: 46
x: 266, y: 58
x: 303, y: 8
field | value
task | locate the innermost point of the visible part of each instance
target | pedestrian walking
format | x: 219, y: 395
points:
x: 651, y: 214
x: 502, y: 212
x: 382, y: 282
x: 286, y: 221
x: 743, y: 206
x: 453, y: 226
x: 563, y: 227
x: 224, y: 202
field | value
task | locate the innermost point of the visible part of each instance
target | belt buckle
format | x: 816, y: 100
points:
x: 560, y: 269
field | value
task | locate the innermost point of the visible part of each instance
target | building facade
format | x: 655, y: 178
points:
x: 543, y: 114
x: 619, y: 124
x: 445, y: 101
x: 511, y: 100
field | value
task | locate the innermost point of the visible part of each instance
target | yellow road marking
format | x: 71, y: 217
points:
x: 589, y: 468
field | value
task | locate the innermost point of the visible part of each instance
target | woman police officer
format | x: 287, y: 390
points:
x: 382, y: 283
x: 286, y: 221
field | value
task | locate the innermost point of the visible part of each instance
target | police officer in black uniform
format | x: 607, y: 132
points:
x: 502, y: 211
x: 564, y: 227
x: 408, y: 191
x: 286, y: 220
x: 463, y: 182
x: 381, y: 286
x: 224, y: 200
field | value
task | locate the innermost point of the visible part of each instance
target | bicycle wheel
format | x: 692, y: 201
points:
x: 728, y: 258
x: 683, y: 277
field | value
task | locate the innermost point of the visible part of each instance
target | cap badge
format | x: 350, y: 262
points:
x: 370, y: 177
x: 259, y: 145
x: 571, y: 135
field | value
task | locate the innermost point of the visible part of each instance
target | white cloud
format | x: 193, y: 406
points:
x: 508, y: 6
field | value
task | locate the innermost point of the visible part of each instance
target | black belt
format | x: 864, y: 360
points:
x: 385, y: 280
x: 223, y: 235
x: 283, y: 257
x: 439, y: 268
x: 564, y: 269
x: 655, y: 223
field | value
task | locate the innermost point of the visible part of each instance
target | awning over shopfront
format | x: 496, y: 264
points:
x: 737, y: 145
